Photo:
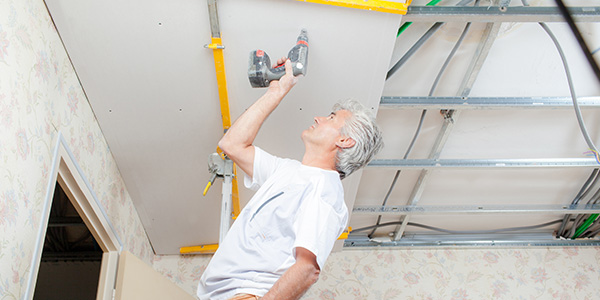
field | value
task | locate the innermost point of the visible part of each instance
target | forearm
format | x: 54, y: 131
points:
x: 244, y: 130
x: 238, y: 140
x: 294, y: 282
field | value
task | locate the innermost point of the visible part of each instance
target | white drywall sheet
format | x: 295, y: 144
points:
x: 152, y: 86
x: 138, y: 281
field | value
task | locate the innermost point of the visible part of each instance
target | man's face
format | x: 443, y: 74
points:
x: 326, y: 130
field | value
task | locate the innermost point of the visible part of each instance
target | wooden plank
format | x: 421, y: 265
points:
x: 137, y: 280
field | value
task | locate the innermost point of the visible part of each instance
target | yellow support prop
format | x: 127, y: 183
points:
x: 221, y: 81
x: 235, y: 196
x: 202, y: 249
x: 217, y: 47
x: 345, y: 234
x: 375, y: 5
x: 206, y: 188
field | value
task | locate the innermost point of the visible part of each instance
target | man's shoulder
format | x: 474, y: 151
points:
x: 261, y: 153
x: 327, y: 187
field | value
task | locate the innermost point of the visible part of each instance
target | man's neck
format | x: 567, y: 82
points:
x: 320, y: 159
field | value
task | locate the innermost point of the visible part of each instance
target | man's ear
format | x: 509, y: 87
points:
x: 345, y: 142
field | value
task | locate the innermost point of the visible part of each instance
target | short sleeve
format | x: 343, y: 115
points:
x: 317, y: 228
x: 265, y: 165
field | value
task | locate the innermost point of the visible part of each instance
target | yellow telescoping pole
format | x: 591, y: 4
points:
x: 217, y: 47
x: 203, y: 249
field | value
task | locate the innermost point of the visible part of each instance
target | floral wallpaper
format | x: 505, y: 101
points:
x: 184, y: 270
x: 40, y: 96
x: 526, y: 273
x: 553, y: 273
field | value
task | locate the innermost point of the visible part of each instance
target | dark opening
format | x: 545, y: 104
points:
x: 71, y: 259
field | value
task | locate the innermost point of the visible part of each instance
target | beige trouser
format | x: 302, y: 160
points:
x: 244, y: 297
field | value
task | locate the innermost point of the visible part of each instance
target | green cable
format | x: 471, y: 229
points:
x: 585, y: 225
x: 403, y: 27
x: 407, y: 24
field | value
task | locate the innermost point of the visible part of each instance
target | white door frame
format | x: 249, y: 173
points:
x: 69, y: 175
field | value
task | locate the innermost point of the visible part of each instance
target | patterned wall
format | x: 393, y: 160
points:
x: 552, y: 273
x: 40, y: 96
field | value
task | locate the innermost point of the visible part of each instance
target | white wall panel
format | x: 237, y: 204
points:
x: 152, y: 86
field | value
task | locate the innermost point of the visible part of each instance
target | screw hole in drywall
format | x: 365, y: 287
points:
x: 300, y: 108
x: 159, y: 23
x: 180, y: 109
x: 110, y: 110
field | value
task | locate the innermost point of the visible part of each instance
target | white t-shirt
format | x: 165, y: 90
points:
x: 295, y: 206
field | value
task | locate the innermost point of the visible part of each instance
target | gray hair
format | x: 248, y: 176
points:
x: 361, y: 127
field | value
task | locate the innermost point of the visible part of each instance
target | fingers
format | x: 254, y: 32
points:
x: 288, y: 68
x: 280, y: 62
x: 282, y: 86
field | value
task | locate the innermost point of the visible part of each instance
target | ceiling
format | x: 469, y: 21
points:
x: 152, y: 86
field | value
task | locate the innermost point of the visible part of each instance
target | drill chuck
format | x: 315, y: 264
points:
x: 260, y: 72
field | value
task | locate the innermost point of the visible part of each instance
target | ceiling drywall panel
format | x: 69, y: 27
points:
x: 143, y: 77
x: 152, y: 86
x: 345, y: 60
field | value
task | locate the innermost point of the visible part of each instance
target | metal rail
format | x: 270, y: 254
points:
x: 467, y: 241
x: 498, y: 14
x: 484, y: 163
x: 476, y: 209
x: 474, y: 103
x: 450, y: 117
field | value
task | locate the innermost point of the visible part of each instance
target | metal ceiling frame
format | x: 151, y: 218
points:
x: 471, y: 103
x: 428, y: 164
x: 467, y: 241
x: 449, y: 105
x: 404, y: 210
x: 498, y: 14
x: 488, y: 38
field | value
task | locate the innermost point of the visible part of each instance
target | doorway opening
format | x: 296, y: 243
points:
x: 79, y: 204
x: 71, y: 257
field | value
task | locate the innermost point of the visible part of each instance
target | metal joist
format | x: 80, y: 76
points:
x: 498, y: 14
x: 490, y: 34
x: 475, y: 209
x: 476, y: 103
x: 450, y: 117
x: 468, y: 241
x: 484, y: 163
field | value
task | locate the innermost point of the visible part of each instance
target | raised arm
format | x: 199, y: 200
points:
x: 237, y: 142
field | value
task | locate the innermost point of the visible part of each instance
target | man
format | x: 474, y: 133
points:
x: 281, y: 239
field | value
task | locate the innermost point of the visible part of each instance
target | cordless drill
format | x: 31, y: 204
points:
x: 260, y: 72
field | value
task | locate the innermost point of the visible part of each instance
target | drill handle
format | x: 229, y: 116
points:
x: 260, y: 72
x: 298, y: 55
